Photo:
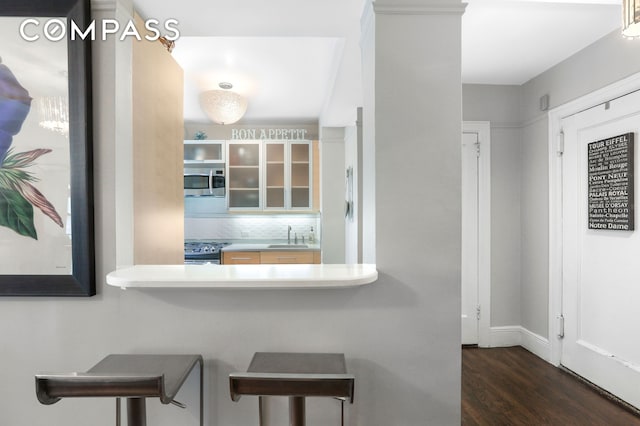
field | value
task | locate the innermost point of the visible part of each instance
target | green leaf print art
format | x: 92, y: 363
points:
x: 18, y: 196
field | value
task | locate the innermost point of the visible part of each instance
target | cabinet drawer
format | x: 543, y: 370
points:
x: 287, y: 257
x: 240, y: 257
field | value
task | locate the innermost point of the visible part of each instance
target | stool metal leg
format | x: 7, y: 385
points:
x: 118, y: 412
x: 136, y: 412
x: 296, y: 411
x: 262, y: 411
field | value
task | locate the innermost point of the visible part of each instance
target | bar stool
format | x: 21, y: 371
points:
x: 296, y: 375
x: 134, y: 377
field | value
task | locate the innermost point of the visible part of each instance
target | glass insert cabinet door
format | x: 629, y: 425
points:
x: 300, y: 175
x: 275, y: 194
x: 243, y: 174
x: 203, y: 151
x: 287, y: 167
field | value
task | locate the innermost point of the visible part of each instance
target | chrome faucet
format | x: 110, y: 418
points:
x: 289, y: 235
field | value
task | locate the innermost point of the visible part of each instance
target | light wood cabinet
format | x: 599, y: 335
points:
x: 243, y: 175
x: 157, y: 151
x: 240, y: 257
x: 270, y: 257
x: 275, y: 176
x: 272, y: 175
x: 300, y: 175
x: 288, y: 176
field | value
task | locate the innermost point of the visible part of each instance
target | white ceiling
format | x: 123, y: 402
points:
x: 279, y: 84
x: 510, y: 42
x: 299, y: 60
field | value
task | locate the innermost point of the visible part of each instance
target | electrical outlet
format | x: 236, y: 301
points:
x: 244, y: 234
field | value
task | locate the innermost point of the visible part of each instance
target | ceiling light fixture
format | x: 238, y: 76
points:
x: 631, y: 18
x: 53, y: 112
x: 224, y: 106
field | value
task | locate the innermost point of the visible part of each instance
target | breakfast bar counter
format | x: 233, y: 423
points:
x: 243, y: 276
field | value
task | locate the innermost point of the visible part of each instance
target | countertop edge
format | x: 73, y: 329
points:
x: 322, y: 276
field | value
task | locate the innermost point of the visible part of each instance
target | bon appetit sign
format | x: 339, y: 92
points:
x: 268, y: 134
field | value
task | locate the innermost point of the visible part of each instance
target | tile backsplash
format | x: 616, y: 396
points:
x: 251, y: 227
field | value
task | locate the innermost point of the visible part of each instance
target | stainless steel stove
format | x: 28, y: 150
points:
x: 202, y: 252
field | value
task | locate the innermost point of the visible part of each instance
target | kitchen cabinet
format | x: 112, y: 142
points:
x: 157, y: 129
x: 271, y: 257
x: 274, y: 168
x: 199, y: 152
x: 288, y: 175
x: 241, y: 258
x: 243, y: 175
x: 270, y: 175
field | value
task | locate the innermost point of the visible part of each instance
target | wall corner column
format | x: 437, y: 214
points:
x: 411, y: 53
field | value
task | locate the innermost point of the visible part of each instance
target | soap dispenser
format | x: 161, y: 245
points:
x: 312, y: 237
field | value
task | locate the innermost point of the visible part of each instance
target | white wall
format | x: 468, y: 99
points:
x: 417, y: 119
x: 500, y: 105
x: 352, y: 237
x: 520, y: 183
x: 400, y: 335
x: 604, y: 62
x: 332, y: 182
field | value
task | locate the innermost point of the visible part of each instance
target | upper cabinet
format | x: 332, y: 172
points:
x: 243, y: 175
x: 287, y: 175
x: 275, y: 175
x: 198, y: 152
x: 300, y: 175
x: 270, y: 175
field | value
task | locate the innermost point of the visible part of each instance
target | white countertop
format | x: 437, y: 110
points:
x: 243, y: 276
x: 271, y: 247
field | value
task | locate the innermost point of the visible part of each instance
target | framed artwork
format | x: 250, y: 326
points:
x: 46, y: 180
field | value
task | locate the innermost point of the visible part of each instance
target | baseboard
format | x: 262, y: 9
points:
x: 503, y: 337
x: 500, y: 337
x: 536, y: 344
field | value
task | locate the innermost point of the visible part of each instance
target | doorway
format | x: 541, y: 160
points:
x: 476, y: 233
x: 600, y: 265
x: 593, y: 292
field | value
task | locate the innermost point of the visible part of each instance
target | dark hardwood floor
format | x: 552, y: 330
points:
x: 511, y: 386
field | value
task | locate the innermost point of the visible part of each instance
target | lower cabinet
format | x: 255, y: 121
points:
x: 269, y: 257
x: 240, y: 257
x: 286, y: 257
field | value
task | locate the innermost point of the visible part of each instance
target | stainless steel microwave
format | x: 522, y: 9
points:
x: 204, y: 182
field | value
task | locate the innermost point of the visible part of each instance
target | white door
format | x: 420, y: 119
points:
x: 470, y: 249
x: 601, y: 268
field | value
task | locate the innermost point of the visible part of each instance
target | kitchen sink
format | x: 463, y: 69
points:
x: 283, y: 246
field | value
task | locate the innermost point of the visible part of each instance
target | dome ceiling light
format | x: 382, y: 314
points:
x: 223, y: 106
x: 631, y: 18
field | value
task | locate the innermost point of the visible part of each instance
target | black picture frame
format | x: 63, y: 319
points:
x: 81, y: 281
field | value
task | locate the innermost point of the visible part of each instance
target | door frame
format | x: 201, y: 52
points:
x: 483, y: 130
x: 555, y: 141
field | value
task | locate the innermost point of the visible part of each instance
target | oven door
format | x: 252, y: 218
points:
x: 202, y: 261
x: 196, y: 184
x: 218, y: 185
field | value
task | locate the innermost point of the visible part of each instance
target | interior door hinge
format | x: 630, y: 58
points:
x: 478, y: 312
x: 561, y: 144
x: 561, y: 326
x: 477, y: 145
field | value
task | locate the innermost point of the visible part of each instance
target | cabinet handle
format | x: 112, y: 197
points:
x: 287, y: 257
x: 240, y: 258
